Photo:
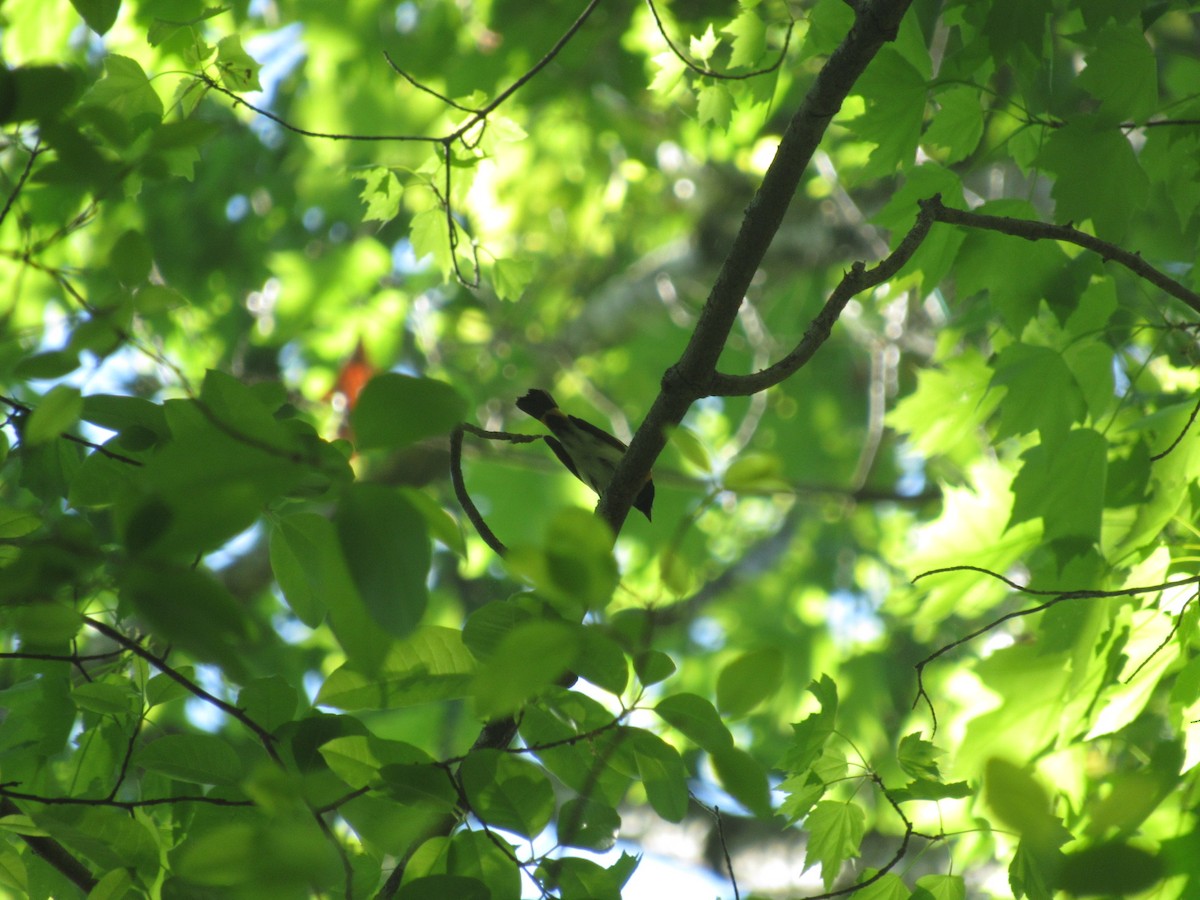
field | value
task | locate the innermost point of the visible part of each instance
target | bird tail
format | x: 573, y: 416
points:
x: 537, y: 403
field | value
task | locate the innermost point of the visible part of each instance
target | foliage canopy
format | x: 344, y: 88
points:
x: 898, y: 298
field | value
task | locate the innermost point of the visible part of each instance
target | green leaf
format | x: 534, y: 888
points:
x: 113, y: 886
x: 153, y: 299
x: 1062, y: 484
x: 1091, y: 364
x: 98, y: 14
x: 527, y: 660
x: 126, y: 91
x: 749, y: 680
x: 705, y: 46
x: 691, y: 448
x: 835, y: 835
x: 197, y: 614
x: 18, y: 523
x: 131, y: 258
x: 755, y: 472
x: 163, y: 689
x: 940, y: 887
x: 417, y: 785
x: 270, y: 701
x: 106, y: 698
x: 161, y: 29
x: 429, y: 665
x: 582, y: 879
x: 358, y: 758
x: 1023, y: 805
x: 714, y: 104
x: 381, y: 193
x: 957, y: 126
x: 508, y: 792
x: 52, y: 364
x: 661, y: 772
x: 510, y: 277
x: 387, y: 550
x: 887, y: 887
x: 803, y: 792
x: 36, y: 92
x: 948, y: 406
x: 1098, y: 177
x: 1122, y: 74
x: 584, y: 822
x: 579, y: 558
x: 268, y: 857
x: 918, y: 757
x: 299, y: 550
x: 894, y: 94
x: 394, y: 411
x: 669, y: 73
x: 1034, y: 873
x: 1016, y: 274
x: 198, y: 758
x: 810, y: 735
x: 653, y: 666
x: 1042, y: 394
x: 239, y: 70
x: 744, y: 778
x: 488, y: 625
x: 696, y: 718
x: 45, y: 624
x: 57, y: 412
x: 932, y: 790
x: 430, y: 236
x: 601, y: 661
x: 574, y: 568
x: 749, y: 34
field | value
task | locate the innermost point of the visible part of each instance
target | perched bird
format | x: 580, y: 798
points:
x: 590, y: 453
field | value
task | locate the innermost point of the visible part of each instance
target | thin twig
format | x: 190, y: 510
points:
x: 1034, y: 231
x: 422, y: 87
x: 716, y: 814
x: 25, y: 409
x: 34, y: 153
x: 127, y: 805
x: 1182, y: 434
x: 1166, y: 640
x: 265, y: 737
x: 1056, y: 598
x: 712, y: 73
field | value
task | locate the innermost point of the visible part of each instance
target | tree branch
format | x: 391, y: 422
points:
x: 857, y: 280
x: 689, y: 379
x: 712, y: 73
x: 1036, y: 231
x: 265, y: 737
x: 53, y: 852
x: 1056, y: 597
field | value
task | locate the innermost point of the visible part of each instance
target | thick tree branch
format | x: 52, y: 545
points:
x: 689, y: 379
x: 53, y: 852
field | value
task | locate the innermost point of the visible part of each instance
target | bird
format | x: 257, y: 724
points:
x: 590, y: 453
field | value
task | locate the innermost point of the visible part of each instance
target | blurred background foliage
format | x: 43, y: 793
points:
x: 1005, y: 404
